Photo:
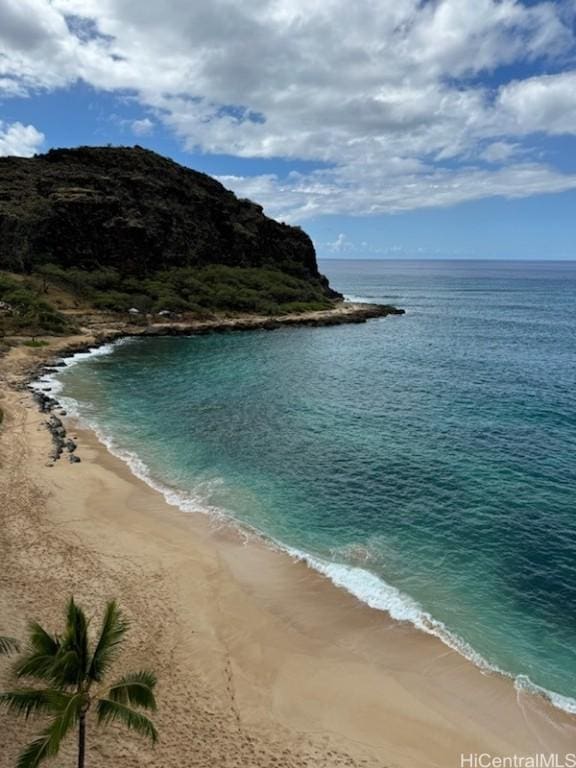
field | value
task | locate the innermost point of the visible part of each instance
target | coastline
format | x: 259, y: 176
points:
x: 285, y: 663
x: 97, y: 329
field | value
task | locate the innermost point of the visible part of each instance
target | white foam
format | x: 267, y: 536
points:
x: 356, y: 299
x: 186, y: 502
x: 366, y: 586
x: 51, y: 379
x: 378, y: 594
x: 101, y: 351
x: 47, y: 380
x: 522, y: 683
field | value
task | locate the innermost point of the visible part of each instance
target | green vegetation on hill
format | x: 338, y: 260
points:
x: 23, y: 309
x: 192, y: 290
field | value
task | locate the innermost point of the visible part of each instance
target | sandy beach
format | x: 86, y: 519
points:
x: 261, y: 661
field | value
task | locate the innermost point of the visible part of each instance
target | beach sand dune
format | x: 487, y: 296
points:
x: 261, y: 662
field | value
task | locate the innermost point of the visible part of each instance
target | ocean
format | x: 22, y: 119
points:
x: 426, y: 463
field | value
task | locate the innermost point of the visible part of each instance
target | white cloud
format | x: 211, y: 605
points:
x: 546, y: 104
x: 347, y: 191
x: 387, y: 93
x: 142, y: 127
x: 340, y: 245
x: 18, y: 139
x: 500, y: 151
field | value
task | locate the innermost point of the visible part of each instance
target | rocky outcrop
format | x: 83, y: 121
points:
x: 129, y: 208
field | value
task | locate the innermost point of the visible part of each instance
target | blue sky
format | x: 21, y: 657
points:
x: 386, y: 128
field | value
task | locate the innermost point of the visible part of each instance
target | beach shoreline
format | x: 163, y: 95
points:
x: 98, y: 328
x: 270, y: 663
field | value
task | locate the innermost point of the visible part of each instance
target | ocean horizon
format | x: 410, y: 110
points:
x: 421, y: 462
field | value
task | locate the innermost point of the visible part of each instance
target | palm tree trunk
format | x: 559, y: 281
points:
x: 81, y: 740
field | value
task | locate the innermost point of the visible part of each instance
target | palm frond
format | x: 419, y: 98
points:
x: 35, y: 752
x: 112, y: 711
x: 66, y: 719
x: 49, y: 742
x: 136, y: 688
x: 74, y: 660
x: 41, y: 654
x: 8, y: 645
x: 112, y: 632
x: 67, y: 668
x: 28, y: 701
x: 35, y: 665
x: 41, y: 642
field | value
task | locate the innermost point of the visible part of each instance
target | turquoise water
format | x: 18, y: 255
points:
x: 424, y: 462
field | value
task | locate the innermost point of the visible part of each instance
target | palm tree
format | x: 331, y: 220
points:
x: 72, y: 669
x: 8, y: 645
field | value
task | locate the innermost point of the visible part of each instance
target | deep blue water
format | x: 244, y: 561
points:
x: 426, y: 462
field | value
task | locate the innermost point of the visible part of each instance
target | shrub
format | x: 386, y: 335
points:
x: 215, y: 287
x: 29, y: 310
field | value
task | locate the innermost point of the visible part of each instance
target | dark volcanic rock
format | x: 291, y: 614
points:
x: 45, y: 402
x: 58, y: 432
x: 132, y: 209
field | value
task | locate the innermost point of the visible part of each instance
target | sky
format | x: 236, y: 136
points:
x: 385, y: 128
